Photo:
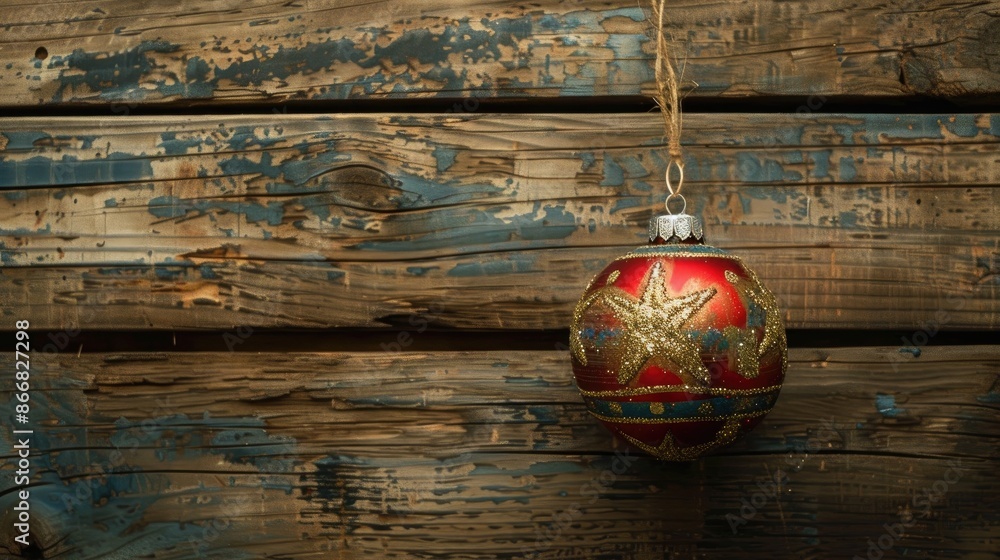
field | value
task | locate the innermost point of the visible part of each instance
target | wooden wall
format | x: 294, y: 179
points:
x: 417, y: 174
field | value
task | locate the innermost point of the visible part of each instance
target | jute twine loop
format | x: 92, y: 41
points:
x: 668, y: 99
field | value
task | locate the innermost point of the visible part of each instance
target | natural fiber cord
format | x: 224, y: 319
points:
x: 667, y: 96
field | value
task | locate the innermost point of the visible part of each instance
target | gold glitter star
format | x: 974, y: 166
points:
x: 651, y: 326
x: 743, y: 351
x: 751, y: 289
x: 669, y: 451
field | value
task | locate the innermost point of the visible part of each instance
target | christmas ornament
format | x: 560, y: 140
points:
x: 677, y: 347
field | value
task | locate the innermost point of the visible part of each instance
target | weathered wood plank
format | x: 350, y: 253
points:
x: 121, y: 53
x: 490, y: 455
x: 873, y: 221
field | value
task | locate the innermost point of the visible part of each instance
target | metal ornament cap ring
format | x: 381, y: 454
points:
x: 677, y: 227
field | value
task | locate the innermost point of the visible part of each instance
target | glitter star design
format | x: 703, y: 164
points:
x: 752, y: 289
x: 651, y: 325
x: 670, y: 451
x: 743, y: 351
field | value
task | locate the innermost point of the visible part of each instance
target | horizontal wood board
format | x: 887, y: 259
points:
x: 492, y: 455
x: 485, y: 221
x: 120, y: 54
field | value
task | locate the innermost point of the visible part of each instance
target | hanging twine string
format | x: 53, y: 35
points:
x: 668, y: 99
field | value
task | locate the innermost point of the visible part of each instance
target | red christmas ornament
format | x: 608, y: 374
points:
x: 677, y: 347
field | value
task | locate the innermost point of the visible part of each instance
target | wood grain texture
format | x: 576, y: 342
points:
x: 121, y: 53
x: 485, y: 221
x: 492, y: 455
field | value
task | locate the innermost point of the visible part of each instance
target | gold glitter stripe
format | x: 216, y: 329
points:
x: 717, y: 391
x: 637, y: 254
x: 630, y: 420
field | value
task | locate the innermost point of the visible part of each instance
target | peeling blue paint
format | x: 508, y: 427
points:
x: 207, y: 272
x: 848, y: 172
x: 25, y: 232
x: 630, y: 66
x: 420, y: 192
x: 251, y: 445
x: 752, y: 169
x: 846, y: 133
x: 995, y: 126
x: 112, y: 76
x: 632, y: 166
x: 633, y: 13
x: 253, y: 212
x: 886, y: 406
x: 300, y: 171
x: 799, y: 208
x: 614, y: 175
x: 544, y: 414
x: 86, y: 140
x: 24, y: 140
x: 535, y: 469
x: 285, y: 62
x: 170, y: 274
x: 92, y: 490
x: 622, y: 203
x: 7, y: 255
x: 556, y: 223
x: 514, y: 264
x: 242, y: 165
x: 902, y: 126
x: 197, y: 72
x: 244, y: 137
x: 420, y: 270
x: 642, y: 186
x: 41, y: 171
x: 779, y: 195
x: 483, y: 227
x: 848, y: 219
x: 991, y: 396
x: 173, y: 146
x: 962, y: 125
x: 445, y: 157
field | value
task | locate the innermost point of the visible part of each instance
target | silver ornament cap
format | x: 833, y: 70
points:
x: 675, y: 228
